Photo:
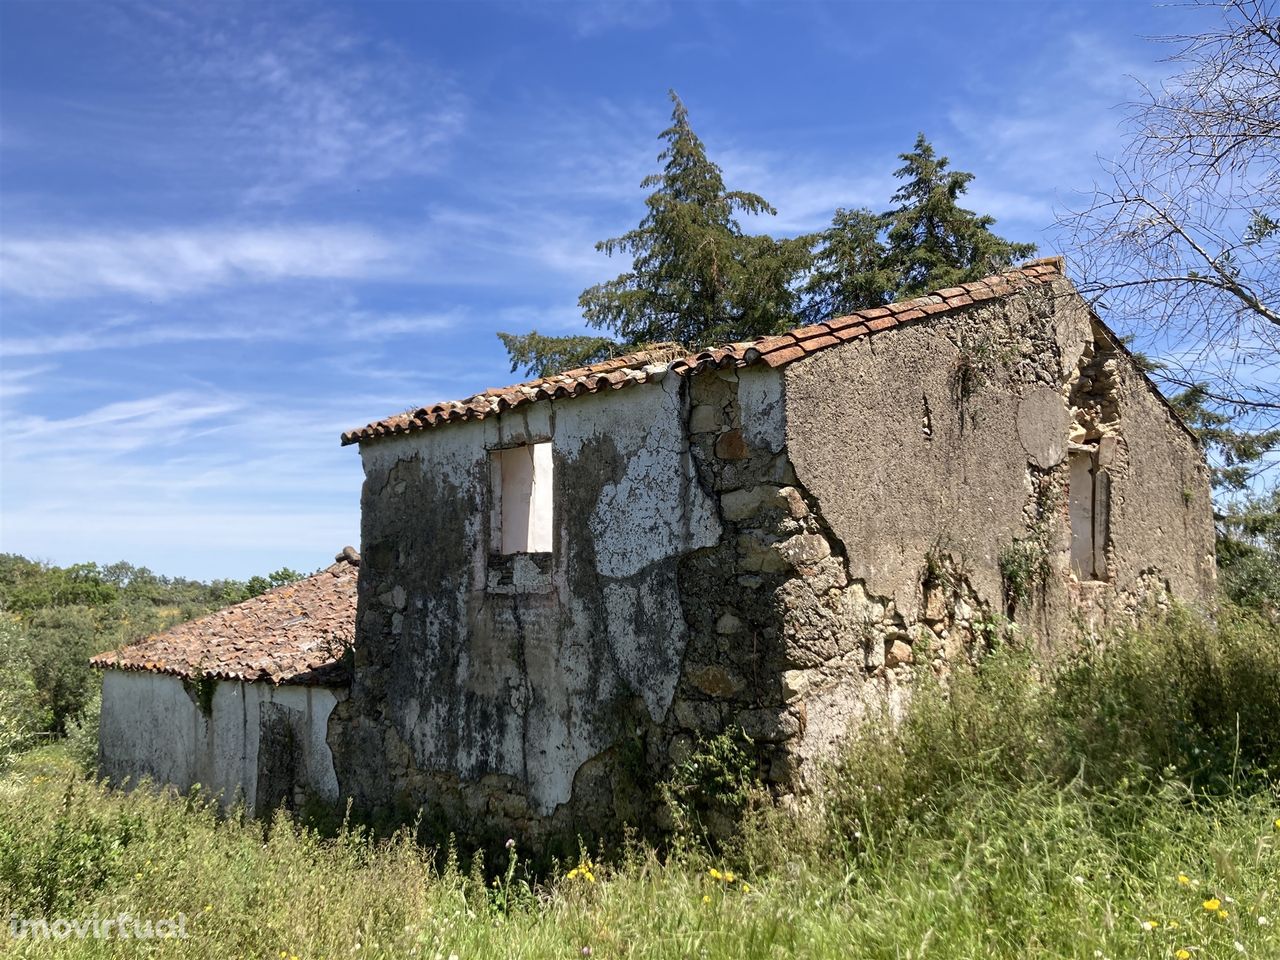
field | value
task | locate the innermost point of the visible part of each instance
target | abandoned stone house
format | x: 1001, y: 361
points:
x: 564, y: 577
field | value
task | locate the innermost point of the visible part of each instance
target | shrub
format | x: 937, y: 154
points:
x: 21, y: 713
x: 1177, y: 695
x: 709, y: 789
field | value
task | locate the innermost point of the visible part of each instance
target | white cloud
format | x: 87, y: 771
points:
x: 288, y: 98
x: 255, y: 480
x: 17, y: 382
x: 126, y: 426
x: 168, y: 262
x: 589, y: 18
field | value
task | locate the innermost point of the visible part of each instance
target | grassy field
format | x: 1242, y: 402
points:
x: 1122, y: 807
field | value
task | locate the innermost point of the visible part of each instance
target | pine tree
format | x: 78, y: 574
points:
x: 541, y: 355
x: 1236, y: 454
x: 926, y: 242
x: 933, y: 242
x: 849, y: 272
x: 695, y: 277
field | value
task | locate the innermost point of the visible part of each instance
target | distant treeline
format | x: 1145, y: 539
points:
x: 52, y: 619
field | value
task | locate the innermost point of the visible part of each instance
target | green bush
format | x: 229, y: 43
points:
x: 1181, y: 698
x: 22, y: 715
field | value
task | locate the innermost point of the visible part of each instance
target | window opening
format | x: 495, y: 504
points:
x: 1088, y: 503
x: 522, y: 491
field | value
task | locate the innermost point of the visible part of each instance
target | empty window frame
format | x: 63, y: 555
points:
x: 521, y: 479
x: 1089, y: 507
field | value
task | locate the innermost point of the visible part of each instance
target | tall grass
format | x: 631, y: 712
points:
x: 1093, y: 812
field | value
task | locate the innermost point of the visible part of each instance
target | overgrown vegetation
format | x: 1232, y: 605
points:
x: 53, y: 619
x: 1249, y: 552
x: 1121, y: 805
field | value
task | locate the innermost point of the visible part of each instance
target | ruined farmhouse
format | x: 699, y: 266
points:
x: 569, y: 580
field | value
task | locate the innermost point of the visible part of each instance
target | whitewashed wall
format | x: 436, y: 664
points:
x: 153, y: 727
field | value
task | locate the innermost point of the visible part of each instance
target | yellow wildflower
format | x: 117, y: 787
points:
x: 1173, y: 924
x: 1277, y: 823
x: 1149, y: 925
x: 1212, y: 904
x: 746, y: 888
x: 706, y: 899
x: 1184, y: 880
x: 1222, y: 914
x: 713, y: 873
x: 1183, y: 955
x: 729, y: 877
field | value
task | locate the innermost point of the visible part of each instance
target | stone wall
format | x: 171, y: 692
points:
x: 945, y: 446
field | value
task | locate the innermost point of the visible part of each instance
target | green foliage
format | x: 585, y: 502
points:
x: 1234, y: 452
x: 927, y: 241
x: 79, y: 850
x: 65, y: 615
x: 1177, y: 701
x: 932, y: 241
x: 82, y: 737
x: 849, y: 270
x: 695, y: 277
x: 235, y: 592
x: 22, y: 714
x: 541, y: 355
x: 1179, y: 698
x: 1024, y: 566
x: 709, y: 789
x: 203, y: 688
x: 60, y: 642
x: 1009, y: 815
x: 1248, y: 551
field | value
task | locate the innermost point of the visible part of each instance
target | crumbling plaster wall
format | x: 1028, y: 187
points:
x: 153, y: 726
x: 485, y: 686
x: 946, y: 442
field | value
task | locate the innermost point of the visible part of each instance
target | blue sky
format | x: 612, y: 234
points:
x: 229, y: 232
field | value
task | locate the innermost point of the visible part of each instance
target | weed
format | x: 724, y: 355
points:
x: 708, y: 790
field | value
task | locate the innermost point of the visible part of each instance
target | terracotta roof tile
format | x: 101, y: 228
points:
x: 661, y: 359
x: 294, y: 634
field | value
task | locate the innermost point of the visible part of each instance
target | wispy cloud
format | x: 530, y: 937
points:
x: 16, y: 382
x: 127, y: 426
x: 164, y: 263
x: 1034, y: 146
x: 589, y: 18
x: 291, y: 97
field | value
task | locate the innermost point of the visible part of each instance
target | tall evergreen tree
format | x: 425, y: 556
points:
x: 926, y: 242
x: 849, y: 271
x: 695, y: 278
x: 933, y: 242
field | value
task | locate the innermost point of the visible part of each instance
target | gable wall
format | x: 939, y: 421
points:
x: 937, y: 456
x: 949, y: 441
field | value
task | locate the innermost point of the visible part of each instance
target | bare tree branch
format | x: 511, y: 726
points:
x: 1183, y: 238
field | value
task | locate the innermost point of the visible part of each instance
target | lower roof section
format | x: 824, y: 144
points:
x: 294, y: 634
